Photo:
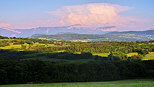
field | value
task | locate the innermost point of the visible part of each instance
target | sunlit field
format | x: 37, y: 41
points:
x: 101, y: 54
x: 124, y: 83
x: 27, y: 46
x: 11, y: 47
x: 149, y: 56
x: 132, y: 54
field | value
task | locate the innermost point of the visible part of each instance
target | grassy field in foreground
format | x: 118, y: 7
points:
x: 124, y: 83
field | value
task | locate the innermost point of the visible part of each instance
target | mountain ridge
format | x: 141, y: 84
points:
x: 65, y: 33
x: 49, y: 31
x: 111, y: 36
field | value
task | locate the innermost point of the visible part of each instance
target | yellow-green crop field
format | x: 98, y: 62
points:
x: 102, y: 54
x: 19, y: 47
x: 106, y: 54
x: 11, y: 47
x: 149, y: 56
x: 132, y: 54
x: 98, y: 54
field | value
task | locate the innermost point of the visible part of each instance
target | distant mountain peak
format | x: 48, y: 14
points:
x: 9, y: 29
x: 66, y: 33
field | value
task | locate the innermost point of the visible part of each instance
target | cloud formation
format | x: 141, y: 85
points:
x: 90, y: 15
x: 4, y: 25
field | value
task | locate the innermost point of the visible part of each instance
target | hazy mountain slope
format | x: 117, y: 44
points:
x: 5, y: 32
x: 69, y: 37
x: 75, y: 33
x: 136, y: 35
x: 77, y: 28
x: 148, y: 32
x: 54, y: 30
x: 113, y: 36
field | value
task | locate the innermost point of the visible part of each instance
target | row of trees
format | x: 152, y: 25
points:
x: 35, y: 71
x: 20, y: 55
x: 103, y: 47
x: 113, y: 56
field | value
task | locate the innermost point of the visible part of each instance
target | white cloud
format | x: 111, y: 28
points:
x: 91, y: 15
x: 4, y: 25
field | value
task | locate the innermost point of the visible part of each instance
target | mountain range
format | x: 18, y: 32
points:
x: 50, y: 31
x: 111, y: 36
x: 78, y: 33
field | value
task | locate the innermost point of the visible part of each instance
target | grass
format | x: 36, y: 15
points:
x: 59, y: 51
x: 27, y: 45
x: 132, y: 54
x: 106, y: 54
x: 50, y: 45
x: 123, y: 83
x: 98, y: 54
x: 11, y: 47
x: 77, y: 53
x: 149, y: 56
x: 102, y: 54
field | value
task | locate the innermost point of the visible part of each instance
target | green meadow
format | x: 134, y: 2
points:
x: 124, y: 83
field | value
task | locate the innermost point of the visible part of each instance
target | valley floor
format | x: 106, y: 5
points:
x: 122, y: 83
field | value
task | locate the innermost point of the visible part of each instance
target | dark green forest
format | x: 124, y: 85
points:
x: 46, y: 71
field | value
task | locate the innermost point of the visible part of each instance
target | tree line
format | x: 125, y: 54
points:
x: 35, y: 71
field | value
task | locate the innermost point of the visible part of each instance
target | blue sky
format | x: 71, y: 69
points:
x: 14, y: 12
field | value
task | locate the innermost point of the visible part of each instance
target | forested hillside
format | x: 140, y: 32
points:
x: 24, y: 60
x: 120, y: 50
